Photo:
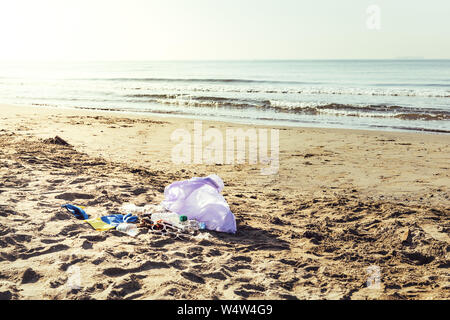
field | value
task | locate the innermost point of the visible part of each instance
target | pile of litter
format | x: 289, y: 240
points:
x: 189, y: 207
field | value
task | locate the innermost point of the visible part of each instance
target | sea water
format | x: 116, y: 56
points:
x: 359, y: 94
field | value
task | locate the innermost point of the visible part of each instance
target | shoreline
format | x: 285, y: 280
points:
x: 343, y: 200
x: 244, y: 122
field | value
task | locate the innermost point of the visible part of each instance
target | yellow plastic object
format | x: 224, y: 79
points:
x: 99, y: 225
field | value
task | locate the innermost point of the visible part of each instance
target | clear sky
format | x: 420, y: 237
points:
x: 225, y: 29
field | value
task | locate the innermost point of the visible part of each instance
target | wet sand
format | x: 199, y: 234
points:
x: 345, y: 206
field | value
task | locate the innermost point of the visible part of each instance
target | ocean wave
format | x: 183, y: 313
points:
x: 308, y: 108
x: 257, y: 81
x: 412, y: 85
x: 204, y: 80
x: 303, y: 91
x: 259, y: 117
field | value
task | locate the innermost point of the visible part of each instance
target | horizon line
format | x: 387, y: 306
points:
x: 223, y: 60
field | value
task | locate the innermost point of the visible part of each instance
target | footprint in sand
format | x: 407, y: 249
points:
x: 126, y: 287
x: 6, y: 295
x: 30, y: 276
x: 242, y: 258
x: 61, y: 216
x: 253, y: 287
x: 162, y: 242
x: 214, y: 253
x: 193, y: 277
x: 71, y: 196
x: 95, y: 238
x: 51, y: 249
x: 6, y: 211
x: 56, y: 181
x: 86, y: 245
x: 73, y: 229
x: 246, y: 294
x: 20, y: 238
x: 178, y: 264
x: 51, y: 240
x: 117, y: 272
x: 194, y: 252
x: 216, y: 275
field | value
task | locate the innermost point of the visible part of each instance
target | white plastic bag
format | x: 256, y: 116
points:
x: 200, y: 199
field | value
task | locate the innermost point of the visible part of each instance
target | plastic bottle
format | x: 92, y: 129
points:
x: 198, y: 225
x: 180, y: 221
x: 169, y: 217
x: 133, y: 209
x: 128, y: 228
x: 188, y: 225
x: 194, y: 225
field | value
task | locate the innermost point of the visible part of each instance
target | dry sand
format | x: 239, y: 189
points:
x: 344, y: 204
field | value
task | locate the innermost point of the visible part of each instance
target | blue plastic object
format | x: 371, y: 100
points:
x: 116, y: 219
x: 76, y: 211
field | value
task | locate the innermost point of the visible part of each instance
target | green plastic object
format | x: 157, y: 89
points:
x: 183, y: 218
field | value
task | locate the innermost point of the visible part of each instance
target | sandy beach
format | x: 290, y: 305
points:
x: 345, y: 206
